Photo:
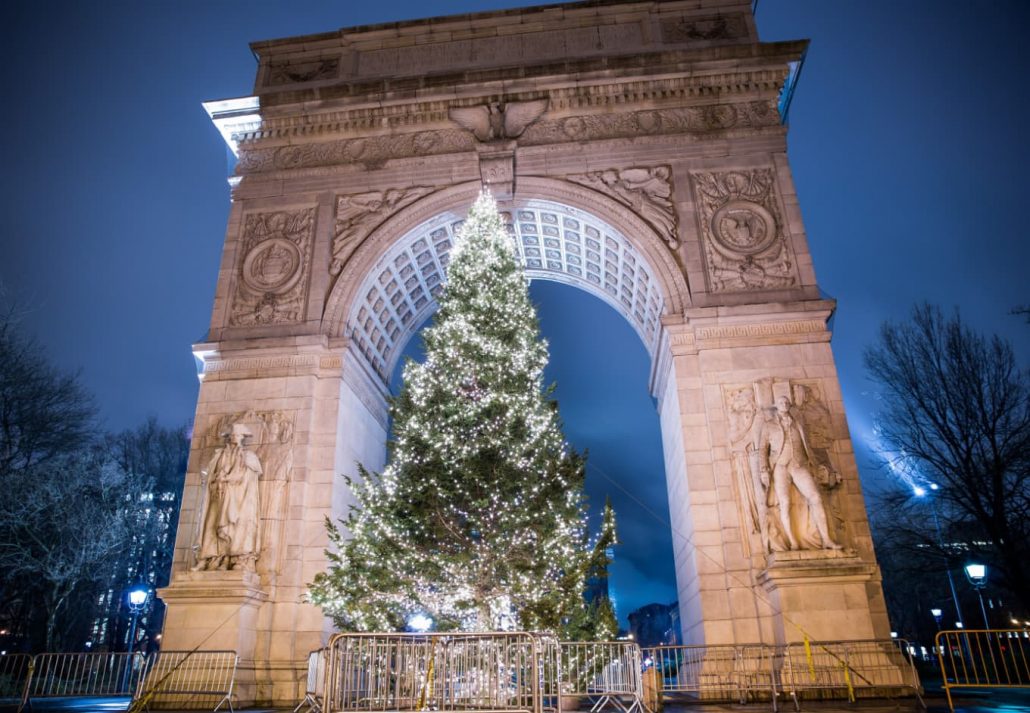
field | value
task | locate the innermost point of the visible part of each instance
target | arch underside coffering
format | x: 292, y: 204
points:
x: 553, y: 241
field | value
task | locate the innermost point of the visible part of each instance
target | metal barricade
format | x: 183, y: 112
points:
x: 849, y: 669
x: 14, y: 675
x: 314, y: 690
x: 190, y: 679
x: 716, y: 673
x: 95, y: 675
x: 982, y: 658
x: 606, y: 672
x: 399, y: 672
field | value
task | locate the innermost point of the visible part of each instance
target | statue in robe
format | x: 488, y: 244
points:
x: 230, y: 531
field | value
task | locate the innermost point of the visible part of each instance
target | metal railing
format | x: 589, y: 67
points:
x: 409, y: 672
x: 834, y: 669
x: 606, y: 672
x: 715, y: 673
x: 981, y: 658
x: 189, y: 679
x: 314, y: 690
x: 14, y: 676
x: 97, y: 675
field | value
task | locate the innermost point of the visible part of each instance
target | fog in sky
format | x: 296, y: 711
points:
x: 907, y: 144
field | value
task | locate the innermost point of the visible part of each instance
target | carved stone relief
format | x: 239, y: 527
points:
x: 698, y: 119
x: 742, y: 236
x: 497, y: 121
x: 272, y: 277
x: 701, y: 29
x: 358, y: 214
x: 646, y: 191
x: 372, y: 151
x: 295, y: 72
x: 786, y: 483
x: 246, y: 492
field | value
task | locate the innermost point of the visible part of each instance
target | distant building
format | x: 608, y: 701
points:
x: 655, y: 624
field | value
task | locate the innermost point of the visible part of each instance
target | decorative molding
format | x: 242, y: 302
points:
x: 273, y: 272
x: 358, y: 214
x: 742, y: 235
x: 645, y: 191
x: 766, y: 329
x: 371, y: 151
x: 683, y: 120
x: 592, y: 96
x: 291, y: 361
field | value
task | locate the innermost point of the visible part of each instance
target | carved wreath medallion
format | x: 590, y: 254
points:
x: 742, y: 234
x: 273, y: 274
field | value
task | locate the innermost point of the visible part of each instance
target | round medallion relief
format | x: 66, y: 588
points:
x: 273, y: 266
x: 743, y: 227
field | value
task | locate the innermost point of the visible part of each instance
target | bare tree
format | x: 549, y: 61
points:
x: 44, y: 413
x: 65, y: 524
x: 956, y: 415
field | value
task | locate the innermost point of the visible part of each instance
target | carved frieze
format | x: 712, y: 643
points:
x: 645, y: 191
x: 372, y: 151
x: 780, y: 438
x: 273, y: 270
x: 704, y: 29
x: 742, y: 234
x: 358, y: 214
x: 296, y: 72
x: 697, y: 119
x: 497, y: 121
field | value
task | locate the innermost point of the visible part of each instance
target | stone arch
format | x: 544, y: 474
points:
x: 564, y: 232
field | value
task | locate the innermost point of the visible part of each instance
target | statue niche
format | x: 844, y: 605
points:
x: 246, y: 491
x: 785, y: 481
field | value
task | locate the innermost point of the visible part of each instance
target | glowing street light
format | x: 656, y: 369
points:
x: 937, y: 614
x: 138, y: 596
x: 977, y: 576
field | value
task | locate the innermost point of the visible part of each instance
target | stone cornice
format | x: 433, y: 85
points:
x: 575, y: 98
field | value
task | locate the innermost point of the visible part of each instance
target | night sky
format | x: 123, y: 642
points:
x: 907, y: 143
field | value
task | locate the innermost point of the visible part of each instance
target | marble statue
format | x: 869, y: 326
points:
x: 229, y: 538
x: 785, y: 459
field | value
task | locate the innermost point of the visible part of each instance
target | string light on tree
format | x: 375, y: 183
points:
x: 478, y: 521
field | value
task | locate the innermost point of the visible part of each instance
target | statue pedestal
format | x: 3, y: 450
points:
x: 826, y: 595
x: 215, y: 611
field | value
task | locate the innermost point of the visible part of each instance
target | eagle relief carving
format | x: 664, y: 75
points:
x: 358, y: 214
x: 645, y: 191
x: 742, y: 235
x: 497, y: 121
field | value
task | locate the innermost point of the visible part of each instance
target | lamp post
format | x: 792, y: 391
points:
x: 138, y: 596
x: 937, y: 614
x: 977, y: 576
x: 919, y: 493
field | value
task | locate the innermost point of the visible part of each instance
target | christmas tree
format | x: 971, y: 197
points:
x: 478, y: 520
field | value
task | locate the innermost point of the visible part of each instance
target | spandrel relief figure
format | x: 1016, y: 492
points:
x: 788, y: 468
x: 230, y: 531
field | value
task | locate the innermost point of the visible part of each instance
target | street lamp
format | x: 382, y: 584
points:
x: 138, y: 596
x: 919, y: 492
x: 937, y: 614
x: 977, y: 576
x: 420, y: 622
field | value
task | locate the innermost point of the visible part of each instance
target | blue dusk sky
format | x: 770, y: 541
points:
x: 907, y: 143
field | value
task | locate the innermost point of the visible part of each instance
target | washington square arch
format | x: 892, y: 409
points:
x: 639, y: 151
